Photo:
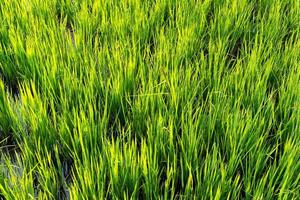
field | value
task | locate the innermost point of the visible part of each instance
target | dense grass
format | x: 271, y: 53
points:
x: 160, y: 99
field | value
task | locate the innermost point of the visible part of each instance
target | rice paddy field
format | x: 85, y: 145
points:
x: 145, y: 99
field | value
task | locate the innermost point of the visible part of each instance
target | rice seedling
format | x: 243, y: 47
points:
x: 160, y: 99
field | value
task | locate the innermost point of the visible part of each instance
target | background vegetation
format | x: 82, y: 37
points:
x: 162, y: 99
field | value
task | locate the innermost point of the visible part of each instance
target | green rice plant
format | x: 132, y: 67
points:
x: 149, y: 99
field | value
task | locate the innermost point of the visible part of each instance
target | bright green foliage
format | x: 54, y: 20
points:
x: 165, y: 99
